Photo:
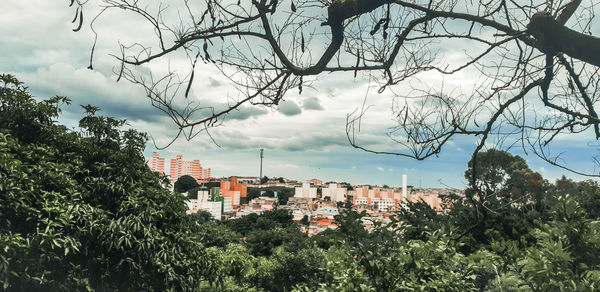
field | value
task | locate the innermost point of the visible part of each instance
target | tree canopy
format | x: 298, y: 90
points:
x: 80, y: 210
x: 499, y: 175
x: 185, y: 183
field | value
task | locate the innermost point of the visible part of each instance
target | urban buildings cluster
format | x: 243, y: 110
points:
x: 314, y: 204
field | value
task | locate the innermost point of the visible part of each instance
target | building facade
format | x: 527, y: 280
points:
x: 335, y: 193
x: 306, y: 191
x: 156, y: 163
x: 193, y: 168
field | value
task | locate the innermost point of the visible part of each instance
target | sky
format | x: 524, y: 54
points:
x: 303, y: 138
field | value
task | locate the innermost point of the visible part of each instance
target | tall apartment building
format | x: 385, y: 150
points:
x: 205, y: 172
x: 156, y: 163
x: 193, y: 168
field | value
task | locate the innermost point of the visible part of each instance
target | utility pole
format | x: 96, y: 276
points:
x: 261, y: 159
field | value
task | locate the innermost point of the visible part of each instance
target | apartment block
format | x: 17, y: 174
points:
x: 234, y: 190
x: 306, y: 191
x: 156, y: 163
x: 193, y: 168
x: 335, y: 193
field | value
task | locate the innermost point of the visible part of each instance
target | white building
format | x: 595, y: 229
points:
x: 196, y: 204
x: 334, y: 193
x: 227, y: 205
x: 214, y: 208
x: 361, y: 200
x: 385, y: 204
x: 202, y: 203
x: 306, y: 191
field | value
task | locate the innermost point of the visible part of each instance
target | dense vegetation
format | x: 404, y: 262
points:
x: 282, y: 193
x: 79, y: 210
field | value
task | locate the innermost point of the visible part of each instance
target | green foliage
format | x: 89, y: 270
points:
x: 284, y: 270
x: 586, y: 193
x: 185, y: 183
x: 305, y: 221
x: 283, y: 193
x: 81, y: 211
x: 419, y: 220
x: 501, y: 176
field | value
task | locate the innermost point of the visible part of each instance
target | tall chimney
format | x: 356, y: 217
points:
x: 404, y: 187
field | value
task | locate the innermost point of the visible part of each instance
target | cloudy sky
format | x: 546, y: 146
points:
x: 303, y: 138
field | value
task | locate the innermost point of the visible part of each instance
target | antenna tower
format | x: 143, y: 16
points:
x: 261, y: 160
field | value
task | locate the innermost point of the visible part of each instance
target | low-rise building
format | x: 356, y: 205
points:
x: 326, y: 212
x: 306, y: 191
x: 264, y: 203
x: 335, y: 193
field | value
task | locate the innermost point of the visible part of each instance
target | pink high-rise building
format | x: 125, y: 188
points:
x: 193, y: 168
x: 156, y: 163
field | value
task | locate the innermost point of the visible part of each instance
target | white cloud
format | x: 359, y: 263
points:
x: 312, y: 103
x: 289, y: 108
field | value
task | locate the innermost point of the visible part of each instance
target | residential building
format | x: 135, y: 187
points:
x: 385, y: 204
x: 335, y: 193
x: 326, y: 212
x: 193, y: 168
x: 315, y: 181
x: 156, y: 163
x: 264, y: 203
x: 306, y: 191
x: 234, y: 190
x: 203, y: 203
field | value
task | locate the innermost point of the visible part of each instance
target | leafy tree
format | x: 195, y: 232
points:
x: 348, y: 204
x: 419, y: 220
x: 566, y: 255
x: 284, y: 270
x: 350, y: 224
x: 81, y: 210
x: 498, y: 176
x: 201, y: 217
x: 211, y: 184
x: 305, y: 221
x: 262, y: 233
x: 264, y: 180
x: 586, y: 193
x: 283, y: 193
x: 185, y: 183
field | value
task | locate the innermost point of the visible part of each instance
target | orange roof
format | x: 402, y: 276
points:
x: 326, y: 222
